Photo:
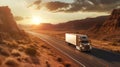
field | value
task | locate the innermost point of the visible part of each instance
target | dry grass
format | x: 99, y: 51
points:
x: 35, y: 60
x: 4, y: 52
x: 67, y: 64
x: 43, y: 46
x: 28, y: 50
x: 31, y: 51
x: 114, y: 44
x: 11, y: 62
x: 106, y: 45
x: 59, y: 59
x: 47, y: 64
x: 10, y: 43
x: 15, y: 53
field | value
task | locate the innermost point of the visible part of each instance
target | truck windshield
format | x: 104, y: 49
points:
x: 85, y: 41
x: 84, y: 38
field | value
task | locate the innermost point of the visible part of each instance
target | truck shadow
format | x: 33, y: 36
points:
x: 105, y: 55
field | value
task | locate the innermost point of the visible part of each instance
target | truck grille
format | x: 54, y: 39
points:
x: 87, y: 47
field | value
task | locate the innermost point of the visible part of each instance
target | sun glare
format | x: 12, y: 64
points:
x: 36, y: 20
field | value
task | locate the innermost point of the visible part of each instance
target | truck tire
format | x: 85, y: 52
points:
x: 89, y: 51
x: 81, y: 49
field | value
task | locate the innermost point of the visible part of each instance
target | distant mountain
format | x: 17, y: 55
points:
x: 7, y: 22
x: 112, y: 24
x: 83, y: 24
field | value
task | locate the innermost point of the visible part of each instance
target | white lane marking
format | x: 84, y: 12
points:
x: 61, y: 51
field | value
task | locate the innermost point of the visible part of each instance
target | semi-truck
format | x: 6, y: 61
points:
x: 80, y: 41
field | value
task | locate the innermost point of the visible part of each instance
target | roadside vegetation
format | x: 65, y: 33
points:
x: 27, y: 50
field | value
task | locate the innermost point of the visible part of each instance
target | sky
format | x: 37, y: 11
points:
x: 58, y: 11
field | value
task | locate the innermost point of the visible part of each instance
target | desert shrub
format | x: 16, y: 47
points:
x: 118, y: 51
x: 21, y: 41
x: 59, y: 59
x: 35, y: 60
x: 11, y: 43
x: 105, y: 39
x: 114, y: 43
x: 33, y: 46
x: 4, y: 52
x: 11, y: 62
x: 31, y: 51
x: 67, y: 65
x: 52, y: 54
x: 43, y: 46
x: 15, y: 53
x: 27, y: 59
x: 22, y: 47
x: 47, y: 64
x: 19, y: 59
x: 24, y: 41
x: 6, y: 42
x: 4, y: 36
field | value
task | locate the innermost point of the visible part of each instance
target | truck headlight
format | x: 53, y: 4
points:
x: 88, y: 43
x: 90, y: 47
x: 83, y: 47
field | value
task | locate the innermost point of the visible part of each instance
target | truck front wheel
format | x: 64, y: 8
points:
x: 81, y: 49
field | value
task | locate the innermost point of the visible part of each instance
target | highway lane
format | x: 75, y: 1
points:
x: 96, y: 58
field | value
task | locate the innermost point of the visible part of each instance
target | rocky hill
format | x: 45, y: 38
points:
x: 83, y: 24
x: 109, y: 30
x: 7, y: 22
x: 112, y: 24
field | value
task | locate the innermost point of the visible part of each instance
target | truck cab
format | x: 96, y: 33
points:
x: 84, y: 43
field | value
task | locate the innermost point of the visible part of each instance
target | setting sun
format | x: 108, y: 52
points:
x: 36, y: 20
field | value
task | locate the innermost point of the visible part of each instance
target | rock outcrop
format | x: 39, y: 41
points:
x: 7, y: 22
x: 111, y: 25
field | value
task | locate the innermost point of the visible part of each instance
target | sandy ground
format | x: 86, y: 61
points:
x: 30, y: 51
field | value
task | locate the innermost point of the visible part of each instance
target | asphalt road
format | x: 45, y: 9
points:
x: 96, y: 58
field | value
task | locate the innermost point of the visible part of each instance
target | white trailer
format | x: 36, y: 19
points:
x: 80, y: 41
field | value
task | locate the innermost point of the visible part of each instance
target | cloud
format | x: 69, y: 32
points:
x: 18, y: 18
x: 80, y: 5
x: 93, y: 5
x: 56, y: 6
x: 36, y: 3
